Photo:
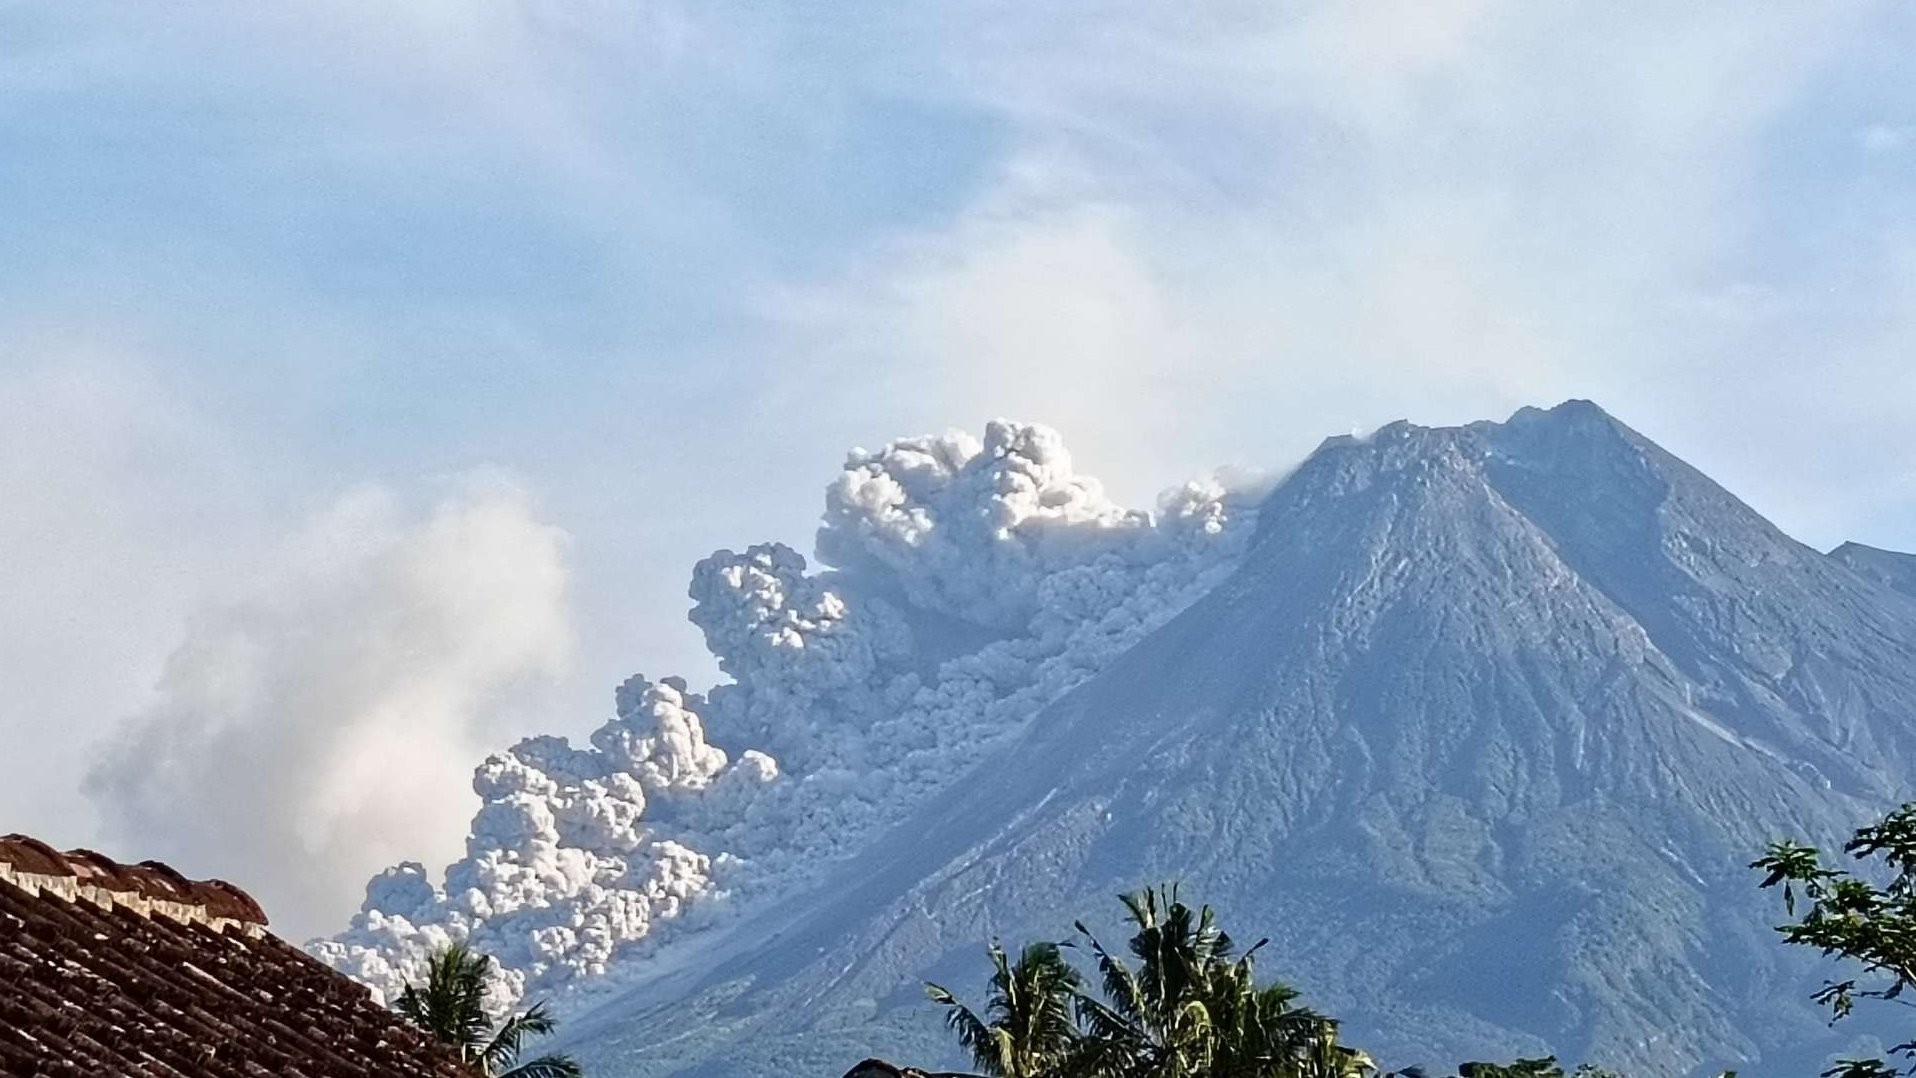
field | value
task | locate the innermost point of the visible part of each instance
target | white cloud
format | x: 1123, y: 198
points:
x: 326, y: 723
x: 970, y: 582
x: 1225, y: 233
x: 121, y: 503
x: 1024, y: 306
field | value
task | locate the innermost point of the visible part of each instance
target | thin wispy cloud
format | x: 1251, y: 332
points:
x: 1438, y: 212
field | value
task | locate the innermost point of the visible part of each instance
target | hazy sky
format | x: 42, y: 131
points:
x: 371, y: 374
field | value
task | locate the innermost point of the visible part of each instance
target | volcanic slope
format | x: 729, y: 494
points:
x: 1482, y: 733
x: 1887, y: 566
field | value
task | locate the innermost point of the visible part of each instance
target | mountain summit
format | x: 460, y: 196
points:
x: 1482, y: 730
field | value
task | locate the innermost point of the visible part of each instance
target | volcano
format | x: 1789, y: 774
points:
x: 1482, y: 732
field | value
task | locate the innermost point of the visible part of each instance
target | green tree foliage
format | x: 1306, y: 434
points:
x: 1867, y: 917
x: 1547, y: 1067
x: 451, y: 1006
x: 1191, y: 1005
x: 1029, y: 1029
x: 1184, y: 1004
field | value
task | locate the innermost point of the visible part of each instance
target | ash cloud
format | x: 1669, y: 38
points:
x: 964, y: 583
x: 313, y: 730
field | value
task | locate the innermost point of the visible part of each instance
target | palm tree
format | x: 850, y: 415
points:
x: 1192, y: 1008
x: 451, y: 1006
x: 1185, y: 1004
x: 1028, y: 1031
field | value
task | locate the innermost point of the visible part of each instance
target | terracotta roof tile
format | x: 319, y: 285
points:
x: 222, y: 899
x: 32, y: 855
x: 110, y: 987
x: 150, y: 880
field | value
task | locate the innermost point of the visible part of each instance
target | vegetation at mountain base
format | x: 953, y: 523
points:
x: 1867, y: 916
x: 451, y: 1006
x: 1187, y: 1003
x: 1546, y: 1067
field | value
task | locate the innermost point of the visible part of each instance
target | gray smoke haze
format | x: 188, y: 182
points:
x: 963, y: 583
x: 308, y: 733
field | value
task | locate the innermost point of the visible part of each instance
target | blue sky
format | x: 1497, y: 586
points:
x: 632, y: 277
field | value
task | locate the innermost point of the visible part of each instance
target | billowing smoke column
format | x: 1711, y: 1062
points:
x: 970, y: 584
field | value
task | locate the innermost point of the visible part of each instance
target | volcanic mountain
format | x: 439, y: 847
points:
x: 1482, y: 732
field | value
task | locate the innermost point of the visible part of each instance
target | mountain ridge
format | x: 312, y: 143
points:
x: 1897, y: 570
x: 1536, y: 681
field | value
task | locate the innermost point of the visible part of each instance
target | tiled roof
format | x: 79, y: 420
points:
x: 147, y: 882
x: 112, y: 969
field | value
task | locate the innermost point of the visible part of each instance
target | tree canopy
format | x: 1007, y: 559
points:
x: 451, y: 1005
x: 1181, y: 1001
x: 1865, y: 915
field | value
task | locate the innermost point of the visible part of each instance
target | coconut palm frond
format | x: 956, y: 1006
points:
x: 510, y: 1037
x: 450, y: 1005
x: 552, y: 1066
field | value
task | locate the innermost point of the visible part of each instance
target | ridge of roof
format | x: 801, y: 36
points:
x: 97, y: 985
x: 149, y: 888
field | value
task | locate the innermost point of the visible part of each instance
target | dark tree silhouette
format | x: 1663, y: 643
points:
x: 1846, y: 915
x: 1185, y: 1004
x: 1028, y: 1029
x: 451, y: 1006
x: 1191, y: 1005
